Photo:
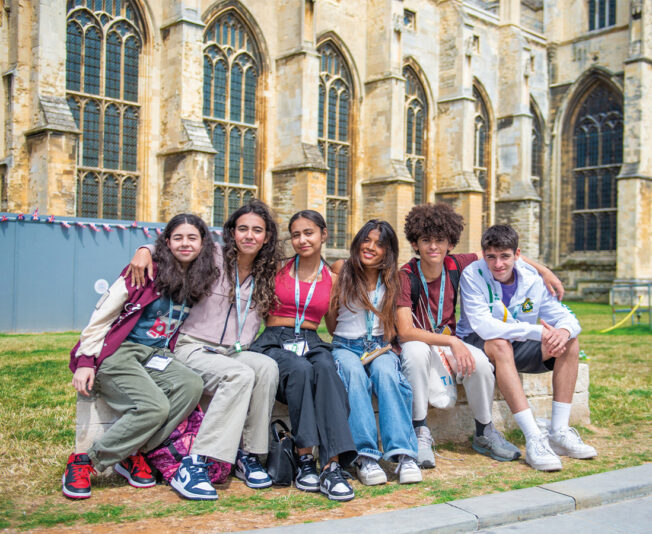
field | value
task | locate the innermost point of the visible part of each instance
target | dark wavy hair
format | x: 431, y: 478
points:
x: 267, y: 260
x: 196, y: 281
x: 433, y: 220
x: 351, y: 284
x: 500, y: 237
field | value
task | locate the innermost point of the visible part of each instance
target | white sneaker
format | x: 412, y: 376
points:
x: 567, y: 442
x: 425, y: 456
x: 540, y: 456
x: 408, y: 470
x: 369, y: 472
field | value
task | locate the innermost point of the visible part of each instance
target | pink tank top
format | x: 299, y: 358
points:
x: 285, y: 292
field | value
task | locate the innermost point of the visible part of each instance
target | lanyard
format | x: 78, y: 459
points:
x: 169, y: 336
x: 298, y: 321
x: 241, y: 317
x: 369, y: 315
x: 442, y: 288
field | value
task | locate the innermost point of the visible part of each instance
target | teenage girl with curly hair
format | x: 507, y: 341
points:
x: 124, y: 356
x: 215, y: 339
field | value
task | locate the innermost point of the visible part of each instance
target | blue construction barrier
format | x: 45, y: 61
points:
x: 52, y: 271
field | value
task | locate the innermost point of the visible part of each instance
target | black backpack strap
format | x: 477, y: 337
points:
x: 415, y: 289
x: 453, y: 272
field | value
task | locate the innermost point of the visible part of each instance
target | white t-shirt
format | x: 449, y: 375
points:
x: 352, y: 324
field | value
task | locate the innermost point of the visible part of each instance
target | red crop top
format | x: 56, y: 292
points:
x: 285, y: 292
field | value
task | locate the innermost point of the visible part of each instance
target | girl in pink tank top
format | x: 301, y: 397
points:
x: 308, y: 380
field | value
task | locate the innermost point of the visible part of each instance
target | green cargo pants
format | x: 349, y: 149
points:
x: 152, y: 402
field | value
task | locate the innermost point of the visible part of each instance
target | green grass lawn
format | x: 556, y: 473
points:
x: 37, y: 433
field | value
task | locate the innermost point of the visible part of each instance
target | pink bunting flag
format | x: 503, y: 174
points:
x: 35, y: 216
x: 107, y: 228
x: 51, y: 219
x: 65, y: 224
x: 80, y: 224
x: 21, y: 217
x: 134, y: 224
x: 159, y: 231
x: 4, y: 218
x: 93, y: 227
x: 146, y: 231
x: 121, y: 226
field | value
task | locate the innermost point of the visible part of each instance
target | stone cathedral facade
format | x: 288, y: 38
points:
x: 536, y: 113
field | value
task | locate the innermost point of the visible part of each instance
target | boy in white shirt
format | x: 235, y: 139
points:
x: 502, y: 299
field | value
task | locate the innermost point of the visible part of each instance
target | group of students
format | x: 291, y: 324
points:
x: 182, y: 319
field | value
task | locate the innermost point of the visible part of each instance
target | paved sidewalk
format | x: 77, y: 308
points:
x: 499, y: 509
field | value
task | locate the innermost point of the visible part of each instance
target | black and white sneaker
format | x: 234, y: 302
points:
x: 333, y: 484
x: 307, y: 478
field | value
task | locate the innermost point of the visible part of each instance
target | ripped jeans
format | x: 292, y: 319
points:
x: 383, y: 378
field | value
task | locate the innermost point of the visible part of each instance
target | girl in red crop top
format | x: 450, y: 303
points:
x: 308, y: 380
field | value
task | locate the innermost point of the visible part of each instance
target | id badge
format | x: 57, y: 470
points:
x: 299, y: 346
x: 158, y: 362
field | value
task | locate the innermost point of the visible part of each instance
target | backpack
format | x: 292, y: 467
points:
x: 452, y: 271
x: 167, y: 457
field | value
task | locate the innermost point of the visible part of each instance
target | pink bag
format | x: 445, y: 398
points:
x: 168, y: 455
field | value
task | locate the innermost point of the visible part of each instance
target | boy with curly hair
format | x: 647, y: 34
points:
x: 426, y: 328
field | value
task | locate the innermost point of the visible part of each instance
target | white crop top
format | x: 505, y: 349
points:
x: 352, y: 324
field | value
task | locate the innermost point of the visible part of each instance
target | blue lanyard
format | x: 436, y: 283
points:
x: 369, y: 315
x: 298, y: 321
x: 241, y: 318
x: 169, y: 336
x: 442, y: 288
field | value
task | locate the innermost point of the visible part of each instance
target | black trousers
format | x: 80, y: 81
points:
x: 313, y: 391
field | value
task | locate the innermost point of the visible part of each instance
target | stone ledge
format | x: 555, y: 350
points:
x: 94, y: 416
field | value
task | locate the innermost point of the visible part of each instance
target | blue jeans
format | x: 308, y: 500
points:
x: 382, y: 377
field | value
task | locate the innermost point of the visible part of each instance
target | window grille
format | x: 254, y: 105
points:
x: 231, y: 72
x: 481, y: 152
x: 537, y: 151
x: 598, y: 153
x: 103, y: 46
x: 602, y: 14
x: 416, y: 112
x: 334, y: 137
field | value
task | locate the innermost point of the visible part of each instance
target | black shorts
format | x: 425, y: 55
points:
x: 527, y: 354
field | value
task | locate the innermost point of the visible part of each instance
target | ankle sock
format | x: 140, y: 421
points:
x: 525, y: 421
x: 420, y: 422
x: 479, y: 427
x: 560, y: 416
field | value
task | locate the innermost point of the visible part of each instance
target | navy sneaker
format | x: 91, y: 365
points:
x: 333, y: 484
x: 76, y: 481
x: 191, y: 480
x: 248, y: 469
x: 307, y: 478
x: 137, y: 471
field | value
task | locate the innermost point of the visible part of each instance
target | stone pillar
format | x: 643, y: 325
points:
x: 299, y: 173
x: 457, y: 183
x: 387, y: 190
x: 187, y: 152
x: 52, y: 134
x: 634, y: 261
x: 516, y: 201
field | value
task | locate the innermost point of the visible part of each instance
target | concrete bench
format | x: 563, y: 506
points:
x: 456, y: 424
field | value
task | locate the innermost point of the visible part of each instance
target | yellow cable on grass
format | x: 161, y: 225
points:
x: 640, y: 297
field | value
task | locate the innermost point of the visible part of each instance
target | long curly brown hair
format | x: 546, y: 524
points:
x: 267, y: 260
x: 351, y: 284
x: 196, y: 281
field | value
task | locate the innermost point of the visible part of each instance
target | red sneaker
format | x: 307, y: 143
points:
x: 137, y: 471
x: 76, y: 481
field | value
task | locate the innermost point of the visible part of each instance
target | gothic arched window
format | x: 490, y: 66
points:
x: 231, y: 73
x: 598, y: 154
x: 104, y: 40
x: 481, y: 154
x: 602, y: 13
x: 334, y: 136
x: 416, y: 113
x: 536, y: 170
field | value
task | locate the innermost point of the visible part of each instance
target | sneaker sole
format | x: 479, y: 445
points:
x: 411, y: 479
x: 85, y: 495
x: 340, y: 498
x: 545, y: 467
x: 310, y: 489
x: 492, y: 454
x: 577, y: 456
x: 253, y: 485
x: 426, y: 463
x: 123, y: 472
x: 376, y: 481
x: 191, y: 496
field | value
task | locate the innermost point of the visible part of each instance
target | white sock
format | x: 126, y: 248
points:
x: 560, y: 416
x: 525, y: 421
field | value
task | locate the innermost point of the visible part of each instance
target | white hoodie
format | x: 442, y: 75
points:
x: 484, y: 313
